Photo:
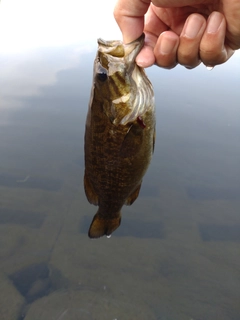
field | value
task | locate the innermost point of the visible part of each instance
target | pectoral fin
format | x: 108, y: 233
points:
x: 90, y: 192
x: 132, y: 142
x: 101, y: 226
x: 133, y: 196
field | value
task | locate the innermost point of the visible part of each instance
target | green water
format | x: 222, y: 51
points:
x: 176, y: 254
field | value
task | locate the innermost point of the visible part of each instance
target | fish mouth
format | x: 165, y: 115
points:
x: 129, y: 91
x: 118, y: 49
x: 133, y: 48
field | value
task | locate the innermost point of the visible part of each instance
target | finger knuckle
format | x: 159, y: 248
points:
x: 212, y: 56
x: 188, y: 57
x: 166, y: 63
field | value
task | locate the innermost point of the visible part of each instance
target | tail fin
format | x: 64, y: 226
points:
x: 101, y: 226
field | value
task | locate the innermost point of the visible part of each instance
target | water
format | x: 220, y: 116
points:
x: 176, y: 253
x: 209, y: 68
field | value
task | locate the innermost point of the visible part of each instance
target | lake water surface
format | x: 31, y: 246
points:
x: 176, y: 253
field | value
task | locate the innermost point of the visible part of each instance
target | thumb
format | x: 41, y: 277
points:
x: 129, y: 16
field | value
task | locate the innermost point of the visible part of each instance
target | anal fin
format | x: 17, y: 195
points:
x: 133, y: 196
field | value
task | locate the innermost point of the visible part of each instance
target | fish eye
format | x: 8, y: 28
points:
x: 102, y: 73
x: 102, y: 76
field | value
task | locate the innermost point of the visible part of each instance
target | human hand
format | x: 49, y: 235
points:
x: 187, y: 32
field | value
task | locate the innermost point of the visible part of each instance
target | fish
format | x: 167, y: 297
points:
x: 119, y: 133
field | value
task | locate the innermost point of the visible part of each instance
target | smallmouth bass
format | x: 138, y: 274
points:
x: 119, y: 134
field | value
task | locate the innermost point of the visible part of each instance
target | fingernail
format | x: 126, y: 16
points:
x: 194, y: 25
x: 167, y: 45
x: 214, y: 22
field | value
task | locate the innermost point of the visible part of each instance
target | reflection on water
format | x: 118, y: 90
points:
x: 177, y: 253
x: 30, y: 219
x: 19, y: 181
x: 215, y: 232
x: 208, y: 193
x: 32, y: 282
x: 129, y: 228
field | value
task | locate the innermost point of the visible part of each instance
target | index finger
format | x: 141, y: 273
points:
x: 129, y: 15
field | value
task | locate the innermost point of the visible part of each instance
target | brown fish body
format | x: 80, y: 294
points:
x: 119, y: 136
